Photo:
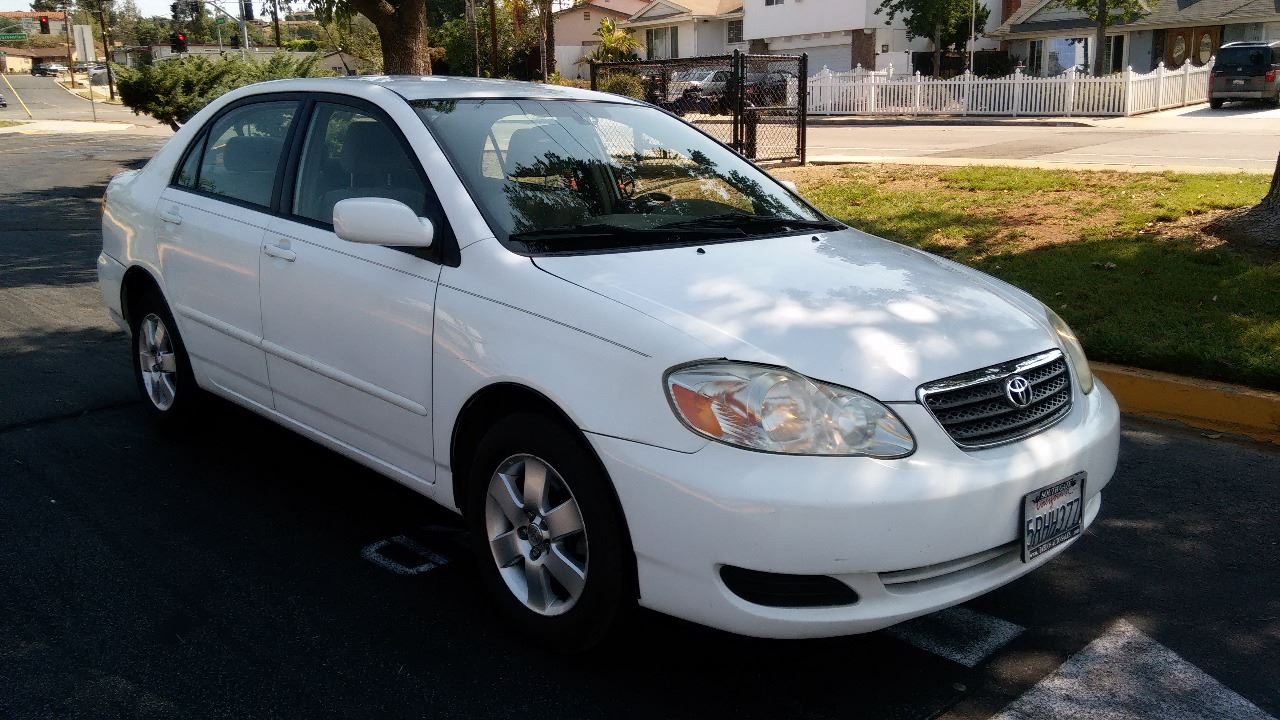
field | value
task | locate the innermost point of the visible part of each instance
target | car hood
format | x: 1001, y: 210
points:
x: 846, y: 307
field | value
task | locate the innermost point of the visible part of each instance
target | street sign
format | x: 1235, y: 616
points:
x: 219, y: 20
x: 18, y: 36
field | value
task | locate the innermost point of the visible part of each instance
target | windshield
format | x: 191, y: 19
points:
x: 1257, y: 57
x: 562, y: 176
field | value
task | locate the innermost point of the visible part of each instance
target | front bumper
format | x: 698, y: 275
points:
x: 110, y: 278
x: 911, y: 536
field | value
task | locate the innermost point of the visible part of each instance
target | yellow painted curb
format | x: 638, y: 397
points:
x: 1199, y: 403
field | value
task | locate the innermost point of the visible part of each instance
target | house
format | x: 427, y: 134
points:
x: 20, y: 60
x: 689, y: 28
x: 839, y: 34
x: 1050, y: 39
x: 575, y: 27
x: 29, y: 22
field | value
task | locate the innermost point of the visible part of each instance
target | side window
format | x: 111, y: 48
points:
x: 242, y: 155
x: 351, y: 154
x: 187, y: 174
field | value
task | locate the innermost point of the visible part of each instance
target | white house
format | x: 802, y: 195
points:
x: 689, y: 28
x: 839, y: 34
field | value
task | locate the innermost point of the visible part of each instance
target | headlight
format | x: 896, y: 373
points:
x: 779, y: 411
x: 1084, y: 376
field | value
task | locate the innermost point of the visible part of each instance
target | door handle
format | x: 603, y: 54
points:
x: 171, y: 216
x: 276, y: 251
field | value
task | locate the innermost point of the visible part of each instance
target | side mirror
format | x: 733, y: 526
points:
x: 790, y: 185
x: 381, y: 221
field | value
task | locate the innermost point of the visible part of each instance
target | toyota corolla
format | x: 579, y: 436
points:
x: 641, y: 369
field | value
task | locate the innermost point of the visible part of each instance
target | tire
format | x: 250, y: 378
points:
x: 161, y: 367
x: 582, y: 579
x: 1215, y: 104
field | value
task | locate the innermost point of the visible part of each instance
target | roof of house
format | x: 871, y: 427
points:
x: 30, y: 14
x: 692, y: 8
x: 625, y: 7
x: 57, y: 53
x: 1163, y: 13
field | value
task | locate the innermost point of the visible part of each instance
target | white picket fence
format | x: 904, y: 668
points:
x: 860, y: 92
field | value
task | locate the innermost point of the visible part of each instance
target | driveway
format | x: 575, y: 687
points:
x: 50, y: 101
x: 1194, y: 139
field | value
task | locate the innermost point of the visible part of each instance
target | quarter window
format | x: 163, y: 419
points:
x: 351, y: 154
x: 242, y: 156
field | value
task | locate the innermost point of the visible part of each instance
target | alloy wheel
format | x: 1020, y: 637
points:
x: 157, y: 362
x: 536, y: 535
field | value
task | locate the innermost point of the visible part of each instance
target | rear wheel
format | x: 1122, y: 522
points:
x: 1215, y: 104
x: 548, y: 533
x: 160, y: 363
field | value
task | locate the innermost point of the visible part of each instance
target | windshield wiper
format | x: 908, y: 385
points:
x: 599, y: 237
x: 746, y: 223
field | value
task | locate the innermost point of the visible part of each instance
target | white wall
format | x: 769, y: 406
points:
x: 800, y: 17
x: 567, y: 57
x: 710, y: 37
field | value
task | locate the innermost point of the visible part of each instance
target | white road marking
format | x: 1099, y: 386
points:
x: 958, y: 634
x: 429, y: 560
x: 1125, y: 675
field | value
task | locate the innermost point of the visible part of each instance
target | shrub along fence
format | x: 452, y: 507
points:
x: 860, y: 92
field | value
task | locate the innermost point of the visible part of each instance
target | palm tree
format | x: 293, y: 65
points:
x: 615, y: 43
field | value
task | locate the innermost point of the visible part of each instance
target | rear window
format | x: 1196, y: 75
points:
x: 1258, y: 57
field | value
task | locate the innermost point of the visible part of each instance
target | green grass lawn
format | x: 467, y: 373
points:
x: 1122, y: 256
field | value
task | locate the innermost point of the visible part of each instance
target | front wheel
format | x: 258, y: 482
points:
x: 548, y: 534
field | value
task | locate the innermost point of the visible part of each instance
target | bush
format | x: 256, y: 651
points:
x: 173, y: 91
x: 558, y: 79
x: 622, y: 84
x: 302, y: 45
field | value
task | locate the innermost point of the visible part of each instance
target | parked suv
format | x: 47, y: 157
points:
x: 1245, y: 71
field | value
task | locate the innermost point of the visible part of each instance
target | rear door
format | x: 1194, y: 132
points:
x: 209, y: 240
x: 1242, y: 69
x: 348, y: 326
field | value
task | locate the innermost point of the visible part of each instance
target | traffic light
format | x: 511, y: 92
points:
x: 246, y: 9
x: 178, y: 42
x: 44, y: 24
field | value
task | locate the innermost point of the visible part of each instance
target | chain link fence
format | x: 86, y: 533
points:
x: 755, y: 104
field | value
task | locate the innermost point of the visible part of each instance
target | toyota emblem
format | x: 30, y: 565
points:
x: 1018, y: 390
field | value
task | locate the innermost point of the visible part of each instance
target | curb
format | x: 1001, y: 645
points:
x: 902, y: 120
x: 1199, y: 403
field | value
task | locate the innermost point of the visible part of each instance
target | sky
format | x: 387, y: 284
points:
x: 147, y: 7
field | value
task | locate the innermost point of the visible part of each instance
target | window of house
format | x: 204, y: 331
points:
x: 1113, y: 60
x: 586, y: 14
x: 663, y: 43
x: 1066, y: 54
x: 242, y: 157
x: 772, y: 2
x: 1035, y: 58
x: 734, y: 30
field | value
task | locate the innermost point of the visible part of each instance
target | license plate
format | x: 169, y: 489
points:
x: 1052, y: 516
x: 1237, y: 82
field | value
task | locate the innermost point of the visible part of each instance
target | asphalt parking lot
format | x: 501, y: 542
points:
x: 240, y: 571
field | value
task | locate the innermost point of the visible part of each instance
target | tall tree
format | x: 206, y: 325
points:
x: 1104, y: 14
x: 402, y: 30
x: 943, y: 22
x: 45, y: 5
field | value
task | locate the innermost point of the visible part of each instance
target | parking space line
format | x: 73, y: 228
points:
x: 402, y: 556
x: 1125, y: 675
x: 958, y: 634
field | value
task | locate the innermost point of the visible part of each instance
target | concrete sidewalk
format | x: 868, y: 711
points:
x: 78, y: 127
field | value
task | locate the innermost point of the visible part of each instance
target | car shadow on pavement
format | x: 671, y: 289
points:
x: 1244, y: 109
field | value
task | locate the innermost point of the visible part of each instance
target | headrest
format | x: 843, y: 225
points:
x: 369, y: 148
x: 254, y: 153
x: 530, y: 148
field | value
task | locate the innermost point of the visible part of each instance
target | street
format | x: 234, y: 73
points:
x: 1196, y: 139
x: 48, y: 101
x: 238, y: 570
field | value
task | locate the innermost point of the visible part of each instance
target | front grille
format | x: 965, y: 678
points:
x: 977, y: 409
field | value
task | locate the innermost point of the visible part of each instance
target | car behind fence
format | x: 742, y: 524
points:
x: 755, y: 104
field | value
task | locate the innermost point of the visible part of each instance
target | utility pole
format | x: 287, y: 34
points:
x: 71, y: 64
x: 474, y: 32
x: 973, y: 20
x: 244, y: 32
x: 106, y: 49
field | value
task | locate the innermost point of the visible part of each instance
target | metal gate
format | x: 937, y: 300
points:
x: 755, y: 104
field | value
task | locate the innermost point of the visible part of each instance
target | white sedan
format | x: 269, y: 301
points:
x: 642, y: 369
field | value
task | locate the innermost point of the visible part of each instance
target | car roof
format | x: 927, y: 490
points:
x: 441, y: 87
